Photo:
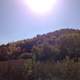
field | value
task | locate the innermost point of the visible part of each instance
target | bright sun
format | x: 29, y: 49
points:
x: 40, y: 6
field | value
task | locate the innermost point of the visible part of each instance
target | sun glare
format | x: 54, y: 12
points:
x: 40, y: 6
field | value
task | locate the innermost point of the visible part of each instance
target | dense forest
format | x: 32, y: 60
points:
x: 51, y: 56
x: 51, y: 46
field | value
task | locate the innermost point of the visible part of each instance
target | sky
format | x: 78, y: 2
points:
x: 18, y: 22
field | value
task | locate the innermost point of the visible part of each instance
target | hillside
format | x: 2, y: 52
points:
x: 54, y: 45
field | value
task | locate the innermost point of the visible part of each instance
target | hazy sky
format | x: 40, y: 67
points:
x: 18, y: 22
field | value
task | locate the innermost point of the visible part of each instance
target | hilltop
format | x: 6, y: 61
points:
x: 54, y: 45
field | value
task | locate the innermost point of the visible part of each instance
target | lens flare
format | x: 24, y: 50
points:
x: 40, y: 6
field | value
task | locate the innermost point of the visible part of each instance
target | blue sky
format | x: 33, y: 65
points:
x: 17, y: 22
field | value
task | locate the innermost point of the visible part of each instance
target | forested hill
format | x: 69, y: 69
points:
x: 55, y: 37
x: 54, y: 45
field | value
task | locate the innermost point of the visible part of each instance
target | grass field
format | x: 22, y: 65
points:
x: 16, y: 70
x: 26, y: 70
x: 66, y: 70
